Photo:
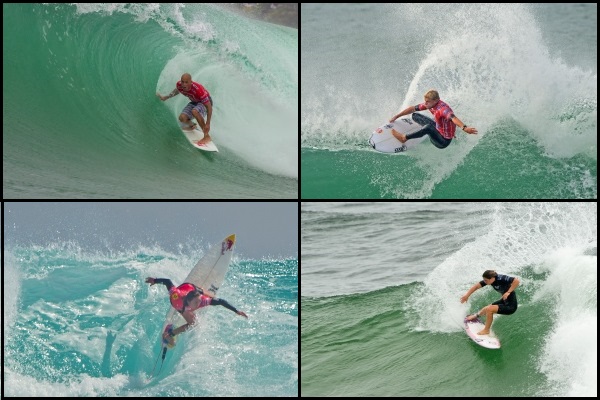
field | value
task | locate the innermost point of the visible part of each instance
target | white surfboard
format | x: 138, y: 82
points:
x: 488, y: 341
x: 382, y: 139
x: 194, y: 137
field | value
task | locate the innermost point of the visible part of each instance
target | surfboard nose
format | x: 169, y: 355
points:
x: 231, y: 238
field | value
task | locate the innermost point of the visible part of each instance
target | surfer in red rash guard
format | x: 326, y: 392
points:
x: 186, y: 298
x: 199, y: 107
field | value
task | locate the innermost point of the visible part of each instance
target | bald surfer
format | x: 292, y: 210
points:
x: 199, y: 107
x: 186, y: 298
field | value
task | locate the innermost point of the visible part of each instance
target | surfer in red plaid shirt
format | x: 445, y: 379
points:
x: 445, y: 122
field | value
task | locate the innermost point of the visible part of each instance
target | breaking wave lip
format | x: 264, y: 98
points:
x: 265, y: 92
x: 115, y: 57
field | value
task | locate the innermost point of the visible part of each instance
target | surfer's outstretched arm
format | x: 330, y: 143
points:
x: 166, y: 282
x: 225, y: 303
x: 470, y: 292
x: 404, y: 112
x: 175, y: 92
x: 462, y: 125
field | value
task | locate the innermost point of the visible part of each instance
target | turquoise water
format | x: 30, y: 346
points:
x: 382, y: 282
x: 81, y: 119
x: 63, y: 304
x: 524, y: 75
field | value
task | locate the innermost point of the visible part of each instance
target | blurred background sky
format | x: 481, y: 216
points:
x: 268, y: 230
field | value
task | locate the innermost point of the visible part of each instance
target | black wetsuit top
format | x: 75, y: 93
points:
x: 501, y: 285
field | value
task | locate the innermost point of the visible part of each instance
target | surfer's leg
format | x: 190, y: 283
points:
x: 186, y: 117
x: 198, y: 117
x: 436, y: 138
x: 403, y: 138
x: 472, y: 317
x: 186, y: 122
x: 489, y: 317
x: 199, y: 112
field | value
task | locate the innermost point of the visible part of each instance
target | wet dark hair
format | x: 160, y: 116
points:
x: 191, y: 295
x: 489, y: 274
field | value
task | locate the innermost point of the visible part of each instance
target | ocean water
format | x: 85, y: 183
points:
x: 81, y: 119
x: 524, y: 75
x: 79, y: 320
x: 381, y: 311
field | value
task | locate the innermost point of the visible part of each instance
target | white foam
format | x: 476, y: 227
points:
x: 570, y: 354
x: 520, y: 235
x: 11, y: 288
x: 556, y: 239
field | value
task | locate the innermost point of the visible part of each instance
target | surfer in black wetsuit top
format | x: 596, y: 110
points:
x: 507, y: 305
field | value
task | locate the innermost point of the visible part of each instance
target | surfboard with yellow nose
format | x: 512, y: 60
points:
x: 195, y: 136
x: 209, y: 274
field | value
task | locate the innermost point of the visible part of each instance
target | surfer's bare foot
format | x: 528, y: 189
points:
x: 471, y: 317
x: 206, y: 139
x: 169, y: 339
x: 483, y: 332
x: 190, y: 128
x: 401, y: 137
